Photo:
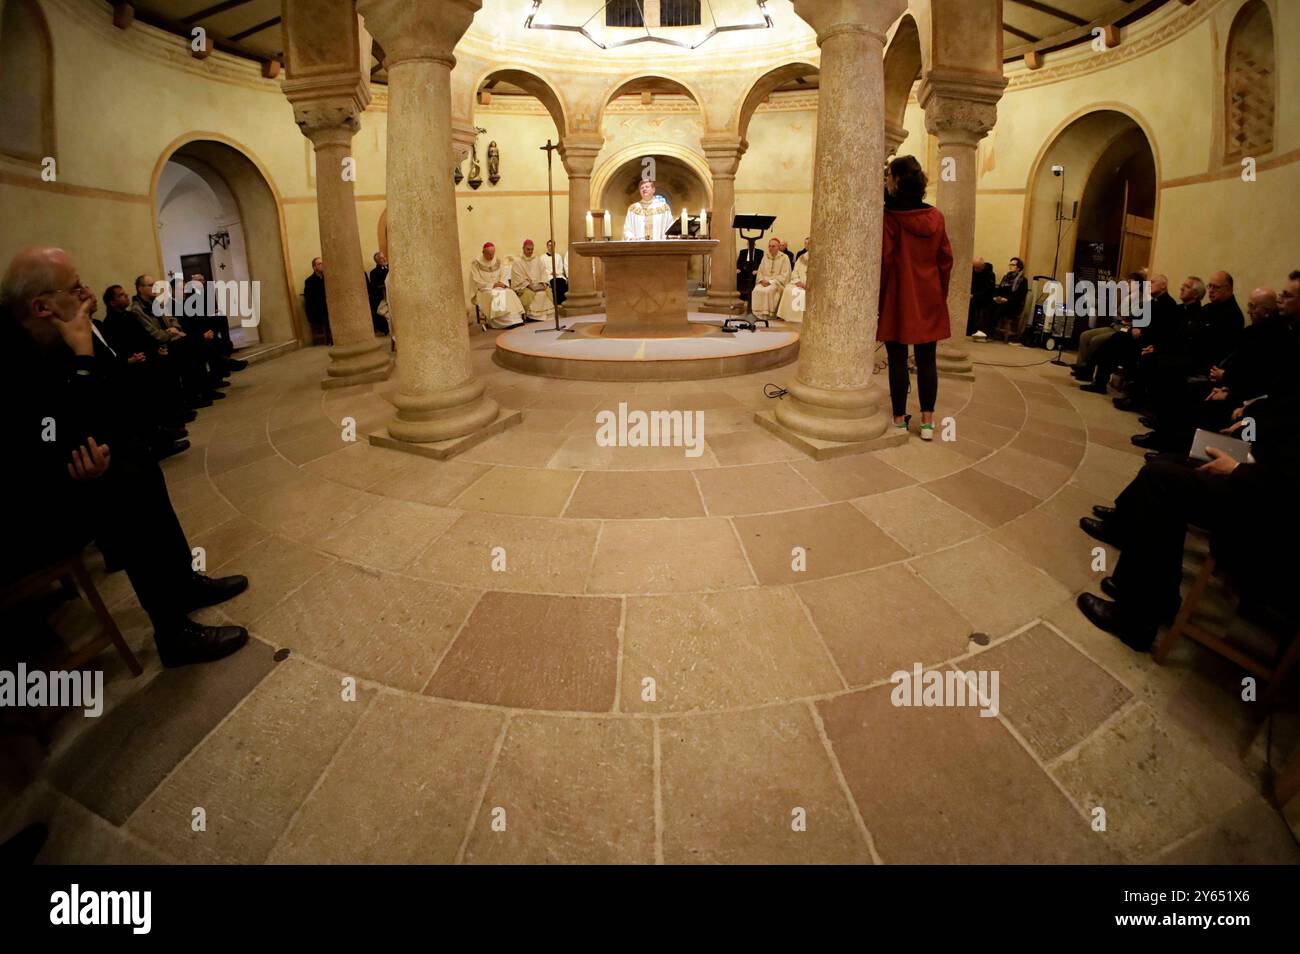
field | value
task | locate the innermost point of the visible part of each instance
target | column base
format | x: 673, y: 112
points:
x: 825, y: 450
x: 582, y: 305
x: 443, y: 415
x: 953, y: 361
x: 825, y: 422
x: 445, y: 450
x: 721, y: 303
x: 360, y: 363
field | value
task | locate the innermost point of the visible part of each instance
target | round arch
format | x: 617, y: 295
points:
x: 903, y: 64
x: 1080, y: 144
x: 762, y: 88
x: 534, y: 84
x: 261, y: 214
x: 605, y: 172
x: 26, y: 82
x: 621, y: 86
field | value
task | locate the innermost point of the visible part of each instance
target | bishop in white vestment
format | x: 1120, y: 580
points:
x: 796, y: 292
x: 491, y: 282
x: 649, y: 218
x: 528, y: 279
x: 769, y: 281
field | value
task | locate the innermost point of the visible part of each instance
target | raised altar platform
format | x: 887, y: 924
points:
x: 699, y: 351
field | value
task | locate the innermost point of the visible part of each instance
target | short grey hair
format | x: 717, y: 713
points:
x: 31, y: 273
x: 1198, y: 285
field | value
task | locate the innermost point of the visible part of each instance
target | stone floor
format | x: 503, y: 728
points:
x: 550, y: 651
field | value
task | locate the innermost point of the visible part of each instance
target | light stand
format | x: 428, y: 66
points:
x: 1061, y: 219
x: 550, y: 202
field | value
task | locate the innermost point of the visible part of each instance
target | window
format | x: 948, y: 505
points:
x: 25, y: 83
x: 1251, y: 83
x: 679, y: 13
x: 624, y: 13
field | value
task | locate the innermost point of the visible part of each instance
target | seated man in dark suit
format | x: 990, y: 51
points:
x: 982, y: 284
x: 1251, y: 511
x: 80, y: 466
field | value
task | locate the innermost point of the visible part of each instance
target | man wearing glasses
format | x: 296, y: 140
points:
x: 81, y: 468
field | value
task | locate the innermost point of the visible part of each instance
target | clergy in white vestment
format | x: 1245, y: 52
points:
x: 499, y: 306
x: 794, y: 300
x: 769, y: 281
x: 528, y: 279
x: 649, y: 218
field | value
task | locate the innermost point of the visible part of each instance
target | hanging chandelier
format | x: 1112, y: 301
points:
x: 647, y: 16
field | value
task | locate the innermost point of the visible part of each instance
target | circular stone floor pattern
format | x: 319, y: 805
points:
x: 581, y: 354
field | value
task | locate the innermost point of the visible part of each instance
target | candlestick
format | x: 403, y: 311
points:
x: 590, y: 227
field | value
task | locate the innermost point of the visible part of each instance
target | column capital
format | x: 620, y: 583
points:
x: 723, y: 152
x: 830, y: 17
x: 960, y: 105
x: 578, y: 152
x: 418, y: 31
x: 328, y: 119
x: 895, y: 136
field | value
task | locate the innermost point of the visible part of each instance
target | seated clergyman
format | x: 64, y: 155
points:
x: 649, y: 218
x: 499, y: 306
x: 528, y: 280
x: 794, y: 300
x: 770, y: 280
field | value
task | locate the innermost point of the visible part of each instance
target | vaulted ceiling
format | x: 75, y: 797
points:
x: 252, y: 27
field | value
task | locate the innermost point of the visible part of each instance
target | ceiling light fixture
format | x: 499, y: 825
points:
x: 531, y: 23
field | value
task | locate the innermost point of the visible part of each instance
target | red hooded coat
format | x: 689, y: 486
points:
x: 915, y: 264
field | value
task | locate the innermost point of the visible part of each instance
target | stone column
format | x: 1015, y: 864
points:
x: 357, y: 355
x: 959, y: 112
x: 894, y: 137
x: 578, y: 153
x: 438, y: 397
x: 723, y: 152
x: 831, y: 400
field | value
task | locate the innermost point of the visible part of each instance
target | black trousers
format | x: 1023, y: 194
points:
x: 1119, y: 350
x: 927, y: 376
x: 1152, y: 516
x: 135, y: 521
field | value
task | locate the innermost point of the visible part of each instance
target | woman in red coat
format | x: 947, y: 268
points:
x: 915, y: 265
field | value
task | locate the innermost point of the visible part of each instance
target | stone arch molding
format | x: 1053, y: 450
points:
x: 545, y: 90
x: 613, y: 91
x: 604, y: 172
x: 763, y: 86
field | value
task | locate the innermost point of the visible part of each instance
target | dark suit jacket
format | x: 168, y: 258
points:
x: 313, y: 295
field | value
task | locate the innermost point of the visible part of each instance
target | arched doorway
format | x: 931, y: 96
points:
x: 675, y: 179
x: 1096, y: 188
x: 215, y: 213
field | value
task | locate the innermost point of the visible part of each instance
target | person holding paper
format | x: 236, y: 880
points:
x: 499, y: 306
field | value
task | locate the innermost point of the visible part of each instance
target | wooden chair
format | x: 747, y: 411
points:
x: 74, y: 568
x: 1273, y: 673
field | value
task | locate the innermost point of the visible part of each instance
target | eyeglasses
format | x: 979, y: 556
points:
x: 76, y: 289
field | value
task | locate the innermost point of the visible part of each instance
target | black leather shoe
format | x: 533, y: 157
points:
x: 164, y: 451
x: 1110, y: 587
x: 1148, y: 422
x: 206, y: 591
x: 1111, y: 618
x: 173, y: 433
x: 1104, y: 513
x: 216, y: 396
x: 1126, y: 404
x: 198, y: 402
x: 1098, y: 387
x: 189, y: 417
x: 1081, y: 374
x: 1102, y: 530
x: 1147, y: 441
x: 236, y: 364
x: 192, y: 642
x: 220, y: 384
x: 1149, y: 456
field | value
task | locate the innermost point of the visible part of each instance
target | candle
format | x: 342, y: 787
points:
x: 590, y: 226
x: 704, y: 223
x: 607, y: 225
